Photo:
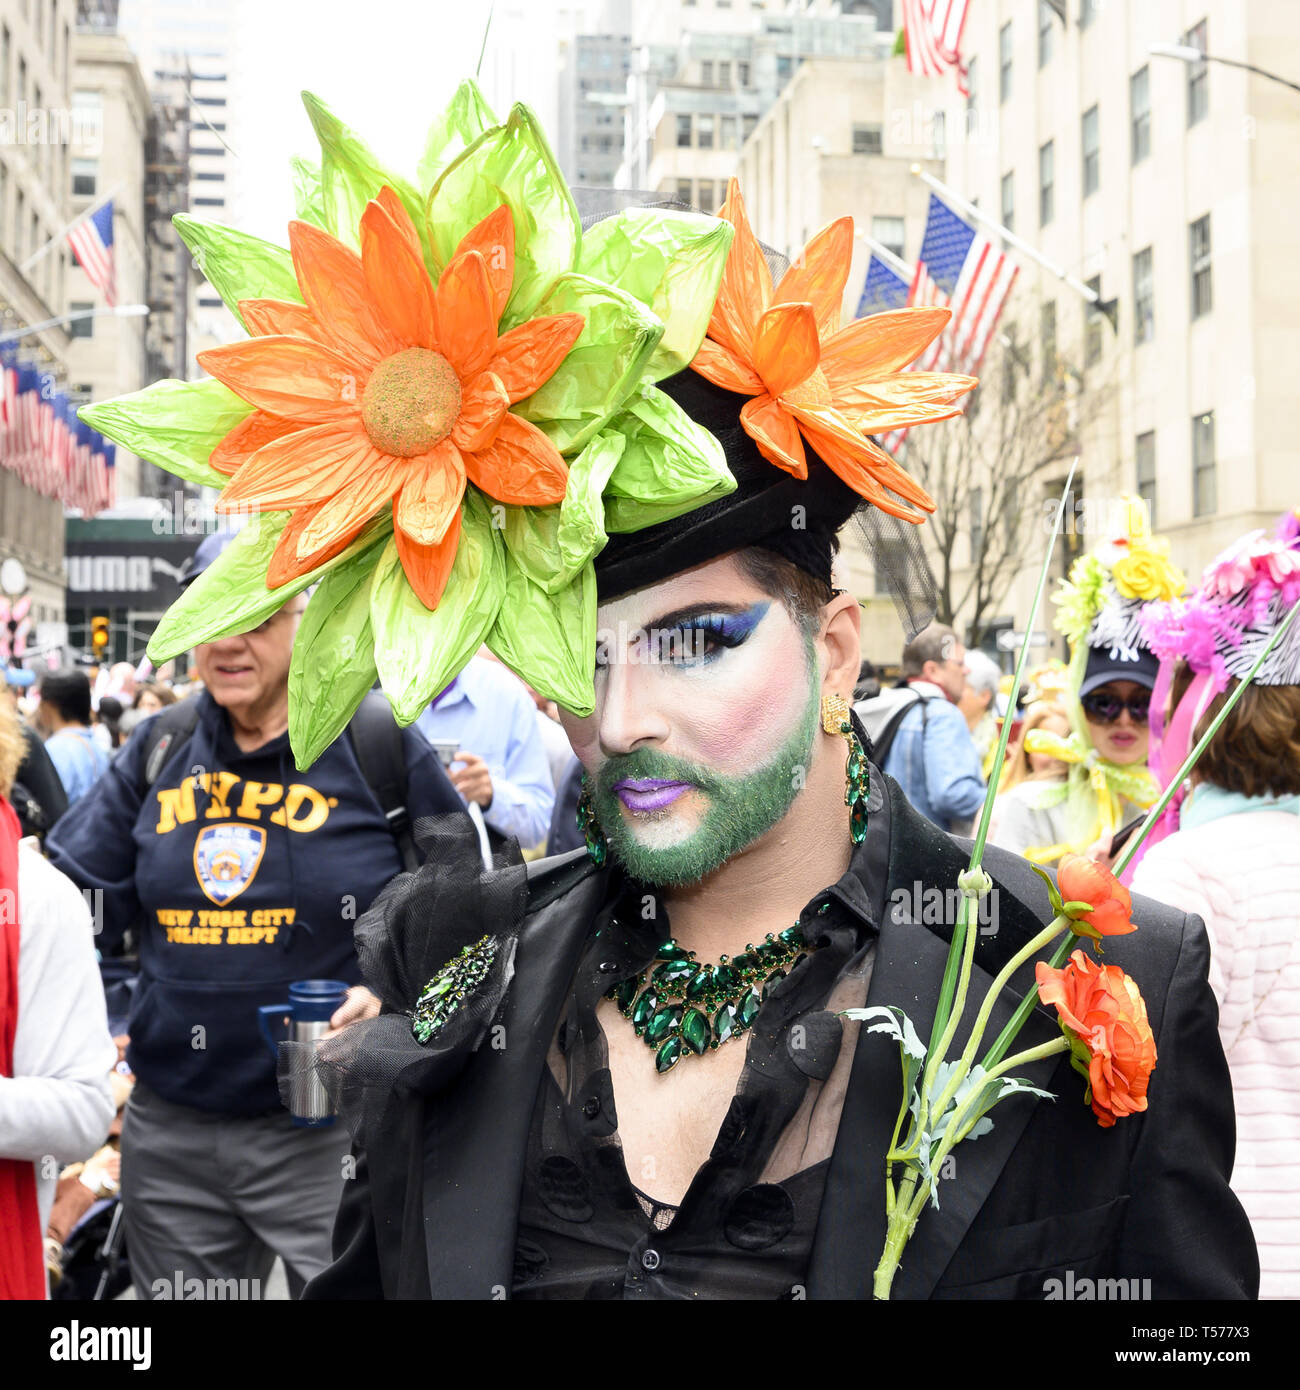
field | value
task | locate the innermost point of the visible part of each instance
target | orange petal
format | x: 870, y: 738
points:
x: 527, y: 356
x: 494, y: 240
x: 467, y: 325
x: 773, y: 429
x: 289, y: 377
x: 333, y: 282
x: 723, y: 368
x: 867, y: 469
x: 397, y: 279
x: 374, y: 483
x: 431, y: 494
x: 307, y: 466
x: 388, y: 200
x: 521, y: 466
x: 786, y: 348
x: 746, y: 286
x: 910, y: 398
x: 427, y: 566
x: 263, y: 316
x: 248, y: 437
x: 482, y: 408
x: 879, y: 344
x: 287, y: 564
x: 819, y: 274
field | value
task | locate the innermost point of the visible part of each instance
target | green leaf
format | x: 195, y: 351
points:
x: 511, y: 164
x: 894, y: 1023
x: 333, y: 661
x: 418, y: 652
x: 238, y: 265
x: 672, y: 262
x: 231, y: 595
x: 900, y: 43
x: 581, y: 532
x: 549, y: 640
x: 466, y: 118
x: 670, y: 465
x: 309, y: 206
x: 351, y: 175
x: 175, y: 424
x: 605, y: 364
x: 1058, y: 907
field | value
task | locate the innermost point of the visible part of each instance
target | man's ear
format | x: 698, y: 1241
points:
x: 840, y: 645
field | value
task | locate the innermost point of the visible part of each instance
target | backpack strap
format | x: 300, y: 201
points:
x: 170, y: 726
x: 377, y: 742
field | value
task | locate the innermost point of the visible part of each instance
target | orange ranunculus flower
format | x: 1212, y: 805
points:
x: 386, y: 387
x: 1103, y: 1014
x: 810, y: 379
x: 1081, y: 879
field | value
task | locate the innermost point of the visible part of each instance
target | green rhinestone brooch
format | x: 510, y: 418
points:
x: 450, y: 987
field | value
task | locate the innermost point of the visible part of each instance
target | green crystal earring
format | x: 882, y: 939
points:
x: 597, y: 845
x: 836, y: 720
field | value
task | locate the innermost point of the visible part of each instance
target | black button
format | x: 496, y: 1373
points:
x: 607, y: 967
x: 591, y: 1107
x: 650, y: 1260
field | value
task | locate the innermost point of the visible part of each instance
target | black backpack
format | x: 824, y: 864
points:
x: 880, y: 746
x: 376, y: 740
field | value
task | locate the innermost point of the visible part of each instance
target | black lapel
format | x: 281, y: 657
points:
x: 476, y: 1134
x: 908, y: 971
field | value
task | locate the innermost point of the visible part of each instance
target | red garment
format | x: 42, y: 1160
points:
x: 22, y: 1269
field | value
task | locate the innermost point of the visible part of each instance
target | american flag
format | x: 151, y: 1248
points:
x: 883, y: 289
x: 933, y: 29
x: 960, y: 268
x: 92, y: 244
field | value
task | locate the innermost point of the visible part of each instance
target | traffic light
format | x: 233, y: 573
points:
x: 99, y: 635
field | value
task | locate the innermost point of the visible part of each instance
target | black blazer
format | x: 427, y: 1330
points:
x: 1047, y: 1195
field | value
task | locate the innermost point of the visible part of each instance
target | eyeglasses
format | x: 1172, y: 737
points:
x: 1102, y: 708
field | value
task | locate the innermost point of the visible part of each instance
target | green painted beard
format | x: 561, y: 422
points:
x: 740, y: 809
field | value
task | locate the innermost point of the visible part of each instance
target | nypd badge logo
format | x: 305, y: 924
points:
x: 226, y: 858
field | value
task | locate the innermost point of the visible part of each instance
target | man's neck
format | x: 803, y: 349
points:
x: 257, y: 726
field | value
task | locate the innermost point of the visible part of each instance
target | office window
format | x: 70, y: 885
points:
x: 85, y: 177
x: 685, y: 194
x: 1146, y: 472
x: 1092, y: 326
x: 1139, y: 102
x: 727, y: 129
x: 22, y: 79
x: 1004, y: 70
x: 704, y: 132
x: 784, y: 67
x: 706, y: 72
x: 868, y: 139
x: 1010, y: 363
x: 1198, y: 81
x: 1205, y: 493
x: 724, y: 74
x: 972, y: 87
x: 209, y: 202
x: 1009, y: 201
x: 742, y: 74
x: 209, y: 101
x: 1091, y: 135
x: 82, y: 327
x: 1046, y: 183
x: 1144, y: 298
x: 976, y: 524
x: 940, y: 129
x: 211, y: 303
x: 1088, y: 12
x: 748, y: 124
x: 20, y: 220
x: 207, y: 176
x: 683, y: 132
x: 888, y: 231
x: 4, y: 65
x: 1047, y: 338
x: 1198, y: 256
x: 1045, y: 33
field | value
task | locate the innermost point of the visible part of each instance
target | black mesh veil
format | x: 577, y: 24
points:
x: 895, y: 546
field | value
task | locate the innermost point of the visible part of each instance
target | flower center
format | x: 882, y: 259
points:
x: 410, y: 402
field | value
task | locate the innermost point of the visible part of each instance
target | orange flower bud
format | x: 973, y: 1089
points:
x: 1081, y: 879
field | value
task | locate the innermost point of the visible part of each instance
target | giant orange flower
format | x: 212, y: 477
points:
x: 1102, y: 1013
x: 810, y: 379
x: 384, y: 387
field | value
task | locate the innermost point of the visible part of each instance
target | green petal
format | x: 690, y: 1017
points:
x: 670, y: 465
x: 672, y: 262
x: 466, y: 118
x: 581, y: 533
x: 333, y: 661
x: 512, y: 164
x: 603, y: 366
x: 175, y: 424
x: 237, y: 264
x: 419, y: 652
x: 231, y: 595
x: 309, y: 205
x: 350, y: 176
x: 549, y: 640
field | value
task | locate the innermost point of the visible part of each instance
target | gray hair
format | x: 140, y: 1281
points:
x: 933, y: 643
x: 982, y: 673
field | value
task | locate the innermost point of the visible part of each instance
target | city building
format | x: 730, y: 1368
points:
x: 1171, y: 187
x: 593, y: 68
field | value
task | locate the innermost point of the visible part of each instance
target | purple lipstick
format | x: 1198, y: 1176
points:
x: 649, y: 793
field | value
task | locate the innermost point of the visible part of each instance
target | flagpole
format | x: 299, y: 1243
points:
x: 63, y: 231
x: 1107, y: 307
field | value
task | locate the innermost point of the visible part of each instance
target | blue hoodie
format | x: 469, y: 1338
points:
x: 245, y: 875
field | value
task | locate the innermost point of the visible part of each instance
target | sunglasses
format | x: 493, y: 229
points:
x: 1102, y: 708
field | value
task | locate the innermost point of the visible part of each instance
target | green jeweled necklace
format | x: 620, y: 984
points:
x: 683, y: 1008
